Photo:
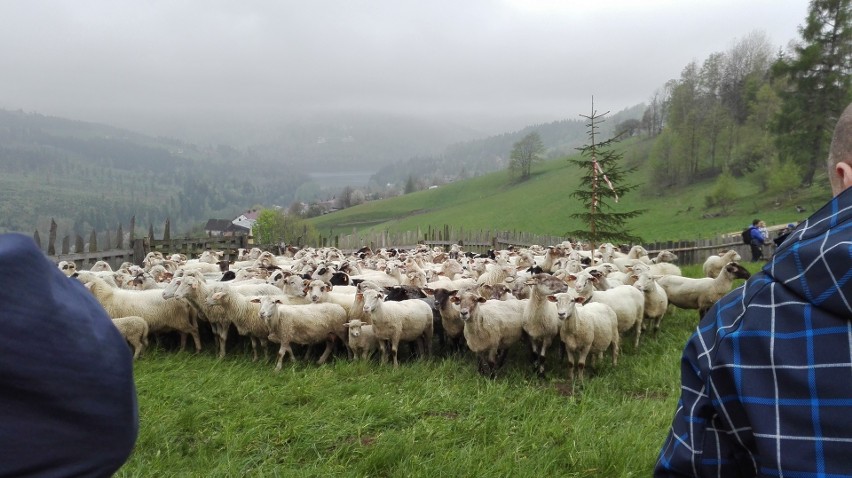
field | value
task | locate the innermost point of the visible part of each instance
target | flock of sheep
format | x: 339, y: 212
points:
x: 360, y: 303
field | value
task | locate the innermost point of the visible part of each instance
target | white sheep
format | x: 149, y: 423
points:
x: 491, y: 327
x: 450, y: 320
x: 321, y: 292
x: 67, y: 267
x: 496, y: 274
x: 586, y: 329
x: 244, y: 313
x: 627, y: 302
x: 101, y: 266
x: 161, y: 314
x: 362, y: 339
x: 656, y: 300
x: 701, y: 294
x: 393, y: 322
x: 195, y: 290
x: 306, y: 324
x: 539, y: 316
x: 714, y: 264
x: 134, y: 329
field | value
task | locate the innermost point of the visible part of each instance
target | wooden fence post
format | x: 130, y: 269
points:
x: 51, y: 239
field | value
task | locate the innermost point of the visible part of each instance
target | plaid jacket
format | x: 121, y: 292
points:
x: 767, y: 377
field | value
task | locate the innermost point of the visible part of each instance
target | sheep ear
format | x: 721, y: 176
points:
x: 359, y: 295
x: 552, y: 298
x: 255, y: 300
x: 455, y: 300
x: 428, y: 291
x: 346, y: 325
x: 481, y: 300
x: 279, y: 301
x: 580, y: 300
x: 453, y: 292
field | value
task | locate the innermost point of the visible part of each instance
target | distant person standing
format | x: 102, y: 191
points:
x: 757, y: 240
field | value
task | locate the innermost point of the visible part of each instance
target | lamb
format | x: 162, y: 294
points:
x: 362, y: 339
x: 490, y: 328
x: 656, y: 300
x: 134, y: 329
x: 161, y: 314
x: 393, y: 322
x: 301, y: 324
x: 586, y: 329
x: 627, y: 302
x: 539, y: 316
x: 714, y: 264
x: 701, y: 294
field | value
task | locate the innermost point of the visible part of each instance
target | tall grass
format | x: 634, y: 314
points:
x: 206, y: 417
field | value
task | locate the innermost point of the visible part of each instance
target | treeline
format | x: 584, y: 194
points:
x: 754, y: 111
x: 93, y: 177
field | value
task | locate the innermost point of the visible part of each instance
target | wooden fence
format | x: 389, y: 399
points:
x: 689, y: 252
x: 118, y: 247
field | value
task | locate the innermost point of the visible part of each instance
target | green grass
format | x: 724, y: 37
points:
x: 542, y: 205
x: 203, y: 417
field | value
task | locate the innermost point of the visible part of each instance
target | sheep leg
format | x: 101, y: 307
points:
x: 581, y: 361
x: 223, y: 338
x: 383, y: 346
x: 638, y: 330
x: 329, y: 346
x: 542, y: 351
x: 253, y: 349
x: 395, y: 349
x: 182, y: 340
x: 282, y: 351
x: 570, y: 355
x: 492, y: 363
x: 482, y: 366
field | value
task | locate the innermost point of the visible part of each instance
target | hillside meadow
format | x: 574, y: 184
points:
x: 200, y: 416
x: 542, y: 205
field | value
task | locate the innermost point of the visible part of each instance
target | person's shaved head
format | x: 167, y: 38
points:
x: 841, y: 152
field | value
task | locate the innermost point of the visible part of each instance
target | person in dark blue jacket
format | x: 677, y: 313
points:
x: 766, y: 380
x: 67, y: 397
x: 757, y: 240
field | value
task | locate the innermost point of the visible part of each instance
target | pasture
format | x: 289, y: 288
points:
x: 200, y: 416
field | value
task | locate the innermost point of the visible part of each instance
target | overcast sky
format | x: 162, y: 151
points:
x: 491, y: 62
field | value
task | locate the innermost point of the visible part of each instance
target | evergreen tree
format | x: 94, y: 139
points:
x: 817, y: 85
x: 601, y: 181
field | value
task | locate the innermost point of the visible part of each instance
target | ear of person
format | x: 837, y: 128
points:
x: 843, y: 171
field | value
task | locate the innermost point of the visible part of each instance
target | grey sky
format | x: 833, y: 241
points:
x: 494, y: 62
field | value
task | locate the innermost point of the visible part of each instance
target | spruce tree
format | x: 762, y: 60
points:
x: 602, y: 182
x: 817, y: 85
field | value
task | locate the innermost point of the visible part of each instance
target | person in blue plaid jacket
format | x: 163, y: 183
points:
x: 766, y: 380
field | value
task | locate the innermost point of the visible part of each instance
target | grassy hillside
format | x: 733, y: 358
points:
x: 542, y: 205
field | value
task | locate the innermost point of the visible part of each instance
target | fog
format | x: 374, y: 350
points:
x: 195, y: 66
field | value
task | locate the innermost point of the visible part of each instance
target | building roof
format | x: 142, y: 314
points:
x: 217, y: 225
